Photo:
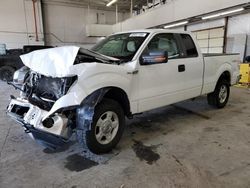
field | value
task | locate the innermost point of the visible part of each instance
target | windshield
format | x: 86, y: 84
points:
x: 121, y: 46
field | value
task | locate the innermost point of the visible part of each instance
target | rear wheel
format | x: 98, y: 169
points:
x: 6, y: 73
x: 219, y: 97
x: 106, y: 128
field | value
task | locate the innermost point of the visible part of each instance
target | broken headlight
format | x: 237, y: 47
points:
x: 20, y: 75
x: 52, y: 89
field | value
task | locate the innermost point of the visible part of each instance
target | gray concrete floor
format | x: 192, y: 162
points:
x: 185, y: 145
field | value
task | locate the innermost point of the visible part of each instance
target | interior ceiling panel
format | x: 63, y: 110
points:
x: 123, y: 5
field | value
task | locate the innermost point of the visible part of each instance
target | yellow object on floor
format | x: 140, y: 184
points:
x: 245, y: 73
x: 242, y: 86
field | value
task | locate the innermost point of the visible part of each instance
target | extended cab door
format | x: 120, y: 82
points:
x: 178, y: 79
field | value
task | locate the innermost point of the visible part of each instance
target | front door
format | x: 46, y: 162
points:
x: 165, y: 83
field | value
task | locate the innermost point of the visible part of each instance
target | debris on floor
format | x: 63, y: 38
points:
x: 145, y: 153
x: 78, y: 163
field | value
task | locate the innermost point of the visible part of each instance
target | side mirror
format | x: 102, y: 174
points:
x: 154, y: 57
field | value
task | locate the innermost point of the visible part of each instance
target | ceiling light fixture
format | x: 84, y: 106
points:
x: 232, y: 11
x: 111, y: 3
x: 176, y: 24
x: 222, y: 13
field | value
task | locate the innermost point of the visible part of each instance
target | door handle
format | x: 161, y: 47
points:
x: 181, y: 68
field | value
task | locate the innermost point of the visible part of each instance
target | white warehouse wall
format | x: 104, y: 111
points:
x: 17, y: 26
x: 174, y: 10
x: 239, y: 24
x: 65, y: 25
x: 239, y: 34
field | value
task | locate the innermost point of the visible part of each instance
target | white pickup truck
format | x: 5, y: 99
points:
x: 68, y: 90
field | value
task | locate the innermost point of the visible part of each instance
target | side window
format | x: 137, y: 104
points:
x: 164, y: 42
x: 189, y: 45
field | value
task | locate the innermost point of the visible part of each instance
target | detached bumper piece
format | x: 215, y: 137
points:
x: 30, y: 118
x: 45, y: 139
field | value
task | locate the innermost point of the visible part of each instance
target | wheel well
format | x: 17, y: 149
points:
x: 225, y: 76
x: 121, y: 97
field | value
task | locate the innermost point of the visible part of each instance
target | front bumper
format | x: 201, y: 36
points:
x: 44, y: 138
x: 22, y: 111
x: 30, y: 117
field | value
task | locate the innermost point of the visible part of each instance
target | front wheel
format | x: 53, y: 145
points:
x: 219, y: 97
x: 106, y: 128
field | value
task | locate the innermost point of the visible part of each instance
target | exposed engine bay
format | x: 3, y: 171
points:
x: 43, y: 91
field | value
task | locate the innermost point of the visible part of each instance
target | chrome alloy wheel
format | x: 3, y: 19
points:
x: 223, y: 94
x: 107, y: 127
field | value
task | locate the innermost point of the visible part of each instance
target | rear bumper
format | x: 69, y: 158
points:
x: 235, y: 78
x: 238, y: 78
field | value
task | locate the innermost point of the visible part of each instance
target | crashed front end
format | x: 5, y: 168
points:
x: 31, y: 109
x: 54, y: 100
x: 49, y: 95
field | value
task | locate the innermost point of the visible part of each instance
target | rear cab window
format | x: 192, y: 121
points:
x: 188, y: 44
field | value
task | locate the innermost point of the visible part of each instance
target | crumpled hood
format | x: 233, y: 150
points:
x: 55, y: 62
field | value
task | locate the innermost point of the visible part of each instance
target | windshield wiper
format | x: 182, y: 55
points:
x: 100, y: 57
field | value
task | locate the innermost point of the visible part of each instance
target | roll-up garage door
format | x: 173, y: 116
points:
x: 210, y: 40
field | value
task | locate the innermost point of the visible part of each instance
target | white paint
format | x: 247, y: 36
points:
x: 51, y: 62
x: 34, y: 117
x: 154, y: 85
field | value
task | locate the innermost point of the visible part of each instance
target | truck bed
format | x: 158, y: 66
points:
x: 213, y: 63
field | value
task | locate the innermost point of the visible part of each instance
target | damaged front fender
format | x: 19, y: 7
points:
x: 73, y: 98
x: 85, y: 112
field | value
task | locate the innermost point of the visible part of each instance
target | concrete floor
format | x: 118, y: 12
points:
x: 185, y: 145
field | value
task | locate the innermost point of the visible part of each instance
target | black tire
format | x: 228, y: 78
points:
x: 6, y: 73
x: 105, y: 106
x: 216, y: 99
